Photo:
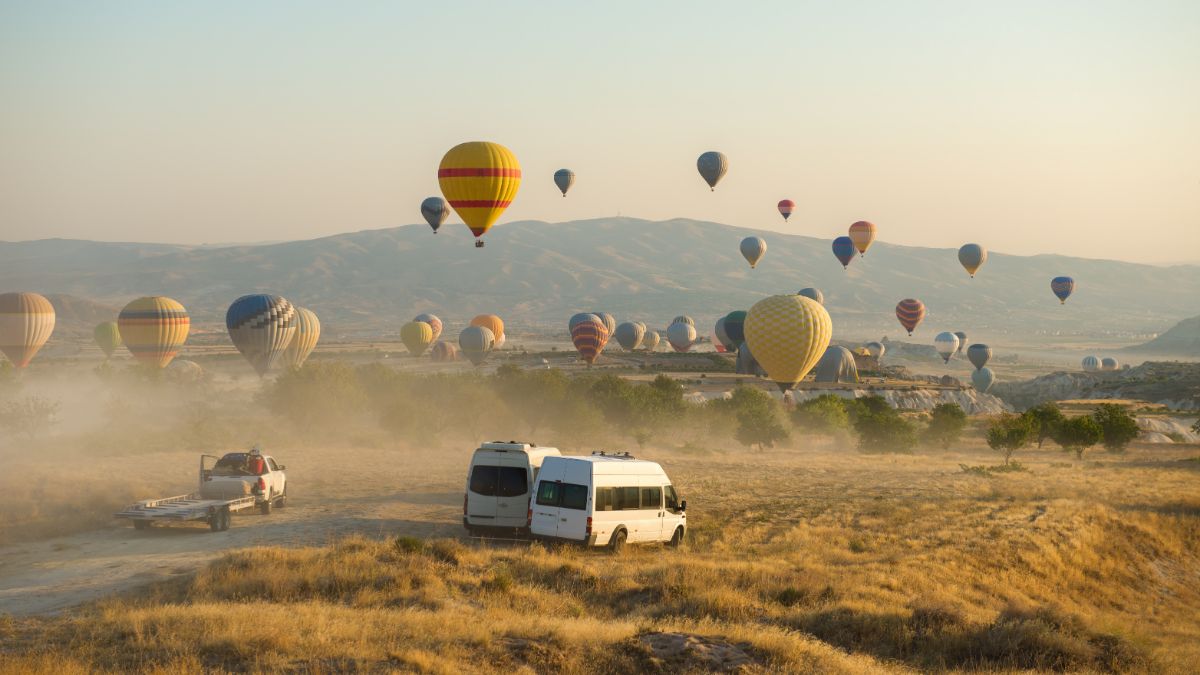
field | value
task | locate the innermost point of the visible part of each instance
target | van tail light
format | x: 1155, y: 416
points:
x: 589, y: 526
x: 529, y: 517
x: 464, y: 503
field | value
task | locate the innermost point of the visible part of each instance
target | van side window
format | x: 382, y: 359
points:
x: 484, y: 479
x: 627, y: 498
x: 549, y: 494
x: 672, y: 498
x: 574, y: 496
x: 604, y: 499
x: 511, y: 482
x: 652, y: 498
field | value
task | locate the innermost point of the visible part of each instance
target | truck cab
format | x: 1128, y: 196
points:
x: 499, y: 480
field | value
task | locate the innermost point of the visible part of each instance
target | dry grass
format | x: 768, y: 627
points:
x: 812, y: 559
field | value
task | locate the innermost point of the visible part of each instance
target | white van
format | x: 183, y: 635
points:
x: 498, y: 482
x: 606, y: 500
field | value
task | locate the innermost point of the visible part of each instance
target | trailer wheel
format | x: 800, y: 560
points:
x: 141, y: 524
x: 617, y: 544
x: 219, y: 521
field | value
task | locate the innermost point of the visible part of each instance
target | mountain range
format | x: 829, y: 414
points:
x: 536, y: 274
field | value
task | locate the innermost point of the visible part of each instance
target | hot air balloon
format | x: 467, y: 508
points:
x: 153, y: 329
x: 983, y: 379
x: 476, y: 343
x: 579, y: 318
x: 609, y: 321
x: 786, y: 206
x: 746, y: 364
x: 972, y: 257
x: 876, y: 350
x: 683, y: 318
x: 813, y: 294
x: 435, y: 211
x: 910, y: 312
x: 1109, y: 363
x: 434, y: 323
x: 416, y: 336
x: 650, y: 342
x: 962, y: 341
x: 589, y: 338
x: 26, y: 322
x: 629, y: 335
x: 712, y: 166
x: 681, y: 336
x: 1063, y: 287
x: 752, y: 249
x: 108, y: 337
x: 443, y: 352
x: 735, y: 327
x: 836, y: 365
x: 843, y: 250
x: 722, y: 337
x: 564, y: 179
x: 480, y: 180
x: 492, y: 323
x: 946, y: 344
x: 788, y: 334
x: 261, y: 327
x: 1091, y: 363
x: 862, y: 234
x: 979, y: 354
x: 308, y: 332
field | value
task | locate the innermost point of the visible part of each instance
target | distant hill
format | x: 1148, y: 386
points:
x: 537, y: 274
x: 1183, y: 339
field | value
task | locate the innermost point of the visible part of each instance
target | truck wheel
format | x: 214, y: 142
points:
x: 677, y: 538
x: 617, y: 544
x: 265, y: 507
x: 141, y: 524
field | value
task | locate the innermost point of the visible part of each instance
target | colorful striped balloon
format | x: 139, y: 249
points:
x: 443, y: 352
x: 786, y: 206
x: 862, y: 234
x: 589, y: 338
x: 843, y: 250
x: 154, y: 328
x: 1063, y: 287
x: 480, y: 180
x: 434, y: 323
x: 308, y: 332
x: 910, y: 312
x: 261, y: 326
x: 26, y: 322
x: 609, y: 321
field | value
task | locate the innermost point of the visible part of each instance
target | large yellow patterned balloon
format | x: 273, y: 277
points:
x: 480, y: 180
x: 26, y: 322
x: 787, y: 335
x: 154, y: 328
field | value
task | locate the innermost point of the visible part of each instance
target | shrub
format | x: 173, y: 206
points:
x: 29, y: 416
x: 946, y: 424
x: 1008, y: 434
x: 757, y: 414
x: 1078, y: 434
x: 1044, y: 419
x: 880, y: 428
x: 1117, y: 424
x: 824, y: 414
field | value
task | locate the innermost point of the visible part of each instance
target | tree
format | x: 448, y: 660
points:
x: 757, y: 415
x: 1196, y: 426
x: 1044, y: 419
x: 1008, y: 434
x: 825, y: 414
x: 30, y: 415
x: 1118, y: 425
x: 880, y: 428
x: 1078, y: 434
x: 946, y: 423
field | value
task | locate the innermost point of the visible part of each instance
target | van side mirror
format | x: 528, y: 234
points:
x: 683, y: 505
x: 282, y: 468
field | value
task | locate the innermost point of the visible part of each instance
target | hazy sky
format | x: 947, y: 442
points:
x: 1029, y: 127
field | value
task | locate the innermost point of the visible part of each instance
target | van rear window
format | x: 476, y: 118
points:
x: 484, y: 480
x: 549, y: 494
x: 566, y: 495
x: 513, y: 482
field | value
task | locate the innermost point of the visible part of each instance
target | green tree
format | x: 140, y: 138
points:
x: 1077, y: 434
x: 1044, y: 419
x: 757, y: 414
x: 1118, y: 425
x: 946, y: 424
x: 1008, y: 434
x: 880, y: 428
x: 1196, y: 427
x: 825, y: 414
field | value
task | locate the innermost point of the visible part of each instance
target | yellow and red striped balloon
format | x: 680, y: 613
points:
x: 154, y: 328
x: 26, y: 322
x: 479, y: 179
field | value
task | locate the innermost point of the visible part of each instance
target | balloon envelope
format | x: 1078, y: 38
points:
x: 752, y: 249
x: 492, y: 323
x: 876, y: 349
x: 983, y: 379
x: 972, y: 257
x: 1109, y: 363
x: 107, y: 336
x: 836, y: 365
x: 786, y: 206
x: 589, y: 338
x: 444, y: 352
x: 479, y: 179
x: 416, y: 336
x: 843, y: 250
x: 788, y: 334
x: 629, y: 335
x: 962, y: 341
x: 261, y: 326
x: 746, y: 363
x: 681, y: 336
x: 435, y: 211
x: 979, y: 354
x: 722, y: 337
x: 683, y: 318
x: 308, y: 332
x: 609, y: 321
x: 1091, y: 363
x: 26, y: 322
x: 580, y: 318
x: 476, y: 343
x: 735, y: 327
x: 910, y: 312
x: 813, y: 294
x: 434, y: 323
x: 564, y: 179
x: 946, y: 344
x: 712, y: 166
x: 650, y: 342
x: 1062, y: 287
x: 862, y: 234
x: 153, y: 329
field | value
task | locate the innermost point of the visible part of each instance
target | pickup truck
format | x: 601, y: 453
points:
x: 231, y: 478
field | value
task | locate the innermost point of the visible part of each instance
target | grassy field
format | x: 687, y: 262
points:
x: 809, y: 558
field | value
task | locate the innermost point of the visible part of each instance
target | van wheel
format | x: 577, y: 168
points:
x: 677, y: 538
x: 617, y: 544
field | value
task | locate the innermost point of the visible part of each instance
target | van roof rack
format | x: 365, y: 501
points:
x: 618, y: 455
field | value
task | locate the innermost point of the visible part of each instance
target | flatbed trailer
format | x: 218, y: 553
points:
x: 216, y: 512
